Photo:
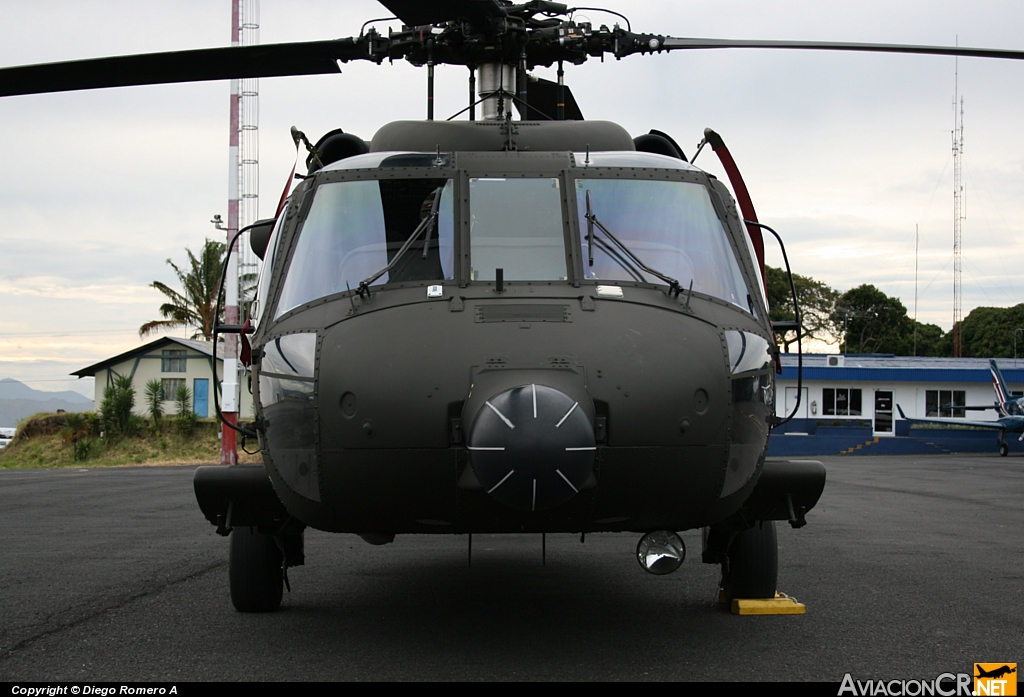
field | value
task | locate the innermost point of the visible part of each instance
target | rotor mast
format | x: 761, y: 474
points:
x: 497, y: 83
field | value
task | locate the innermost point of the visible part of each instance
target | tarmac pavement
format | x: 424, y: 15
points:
x: 909, y: 566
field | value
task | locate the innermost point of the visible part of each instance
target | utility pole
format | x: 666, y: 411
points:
x: 917, y: 244
x: 846, y: 314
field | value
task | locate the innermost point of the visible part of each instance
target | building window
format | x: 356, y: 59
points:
x: 945, y: 403
x: 171, y: 385
x: 172, y: 361
x: 841, y: 402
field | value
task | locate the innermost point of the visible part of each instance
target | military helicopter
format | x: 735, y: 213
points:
x: 503, y: 324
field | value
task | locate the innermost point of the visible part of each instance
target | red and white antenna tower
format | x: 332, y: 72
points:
x: 243, y: 208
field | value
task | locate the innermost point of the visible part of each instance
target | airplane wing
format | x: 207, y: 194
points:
x: 968, y: 408
x: 1010, y: 423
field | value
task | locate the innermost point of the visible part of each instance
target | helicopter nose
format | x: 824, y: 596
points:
x: 532, y: 447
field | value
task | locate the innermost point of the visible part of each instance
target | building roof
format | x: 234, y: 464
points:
x: 204, y: 347
x: 889, y: 368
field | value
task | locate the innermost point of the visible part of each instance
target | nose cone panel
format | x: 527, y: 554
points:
x: 532, y: 447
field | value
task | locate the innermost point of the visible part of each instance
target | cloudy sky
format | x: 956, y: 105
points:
x: 843, y: 153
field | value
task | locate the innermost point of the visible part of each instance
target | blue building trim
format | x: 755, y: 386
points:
x: 859, y: 440
x: 947, y: 375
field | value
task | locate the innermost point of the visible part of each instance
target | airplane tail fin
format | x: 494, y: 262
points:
x: 1002, y: 392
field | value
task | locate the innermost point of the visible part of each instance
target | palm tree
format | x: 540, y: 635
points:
x: 197, y: 305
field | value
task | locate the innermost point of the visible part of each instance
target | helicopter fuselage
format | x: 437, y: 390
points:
x: 516, y: 367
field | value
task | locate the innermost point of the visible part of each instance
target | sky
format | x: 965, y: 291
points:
x: 844, y: 154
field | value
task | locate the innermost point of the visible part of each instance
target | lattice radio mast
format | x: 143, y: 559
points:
x: 959, y: 215
x: 248, y: 151
x: 243, y: 202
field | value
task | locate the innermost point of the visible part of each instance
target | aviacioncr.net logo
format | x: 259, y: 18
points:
x: 995, y: 679
x: 945, y: 685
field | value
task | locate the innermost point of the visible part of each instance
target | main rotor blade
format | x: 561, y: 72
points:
x: 672, y: 43
x: 415, y: 13
x: 268, y: 60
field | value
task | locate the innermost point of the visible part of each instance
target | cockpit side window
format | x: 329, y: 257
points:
x: 259, y: 302
x: 355, y: 228
x: 671, y: 226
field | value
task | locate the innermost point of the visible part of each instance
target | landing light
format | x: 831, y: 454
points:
x: 660, y: 552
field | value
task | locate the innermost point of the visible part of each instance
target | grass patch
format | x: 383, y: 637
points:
x: 43, y: 442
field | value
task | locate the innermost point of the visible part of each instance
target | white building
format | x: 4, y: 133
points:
x: 174, y: 362
x: 869, y: 387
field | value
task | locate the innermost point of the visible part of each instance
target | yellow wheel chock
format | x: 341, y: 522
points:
x: 781, y: 604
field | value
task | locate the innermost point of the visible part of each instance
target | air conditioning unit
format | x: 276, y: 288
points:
x: 835, y: 361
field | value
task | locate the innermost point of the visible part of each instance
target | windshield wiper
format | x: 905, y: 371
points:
x: 608, y: 249
x: 673, y: 284
x: 425, y: 224
x: 620, y: 260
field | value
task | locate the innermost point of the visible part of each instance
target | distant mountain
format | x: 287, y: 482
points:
x: 12, y: 389
x: 18, y: 400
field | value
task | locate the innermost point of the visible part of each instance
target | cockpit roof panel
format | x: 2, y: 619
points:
x: 491, y: 136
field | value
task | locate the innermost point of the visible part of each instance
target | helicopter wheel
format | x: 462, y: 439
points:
x: 753, y: 562
x: 1004, y: 449
x: 255, y: 572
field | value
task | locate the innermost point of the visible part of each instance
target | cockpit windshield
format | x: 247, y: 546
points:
x: 645, y: 230
x: 671, y: 226
x: 516, y: 224
x: 355, y: 228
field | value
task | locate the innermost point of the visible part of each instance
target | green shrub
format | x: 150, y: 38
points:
x: 155, y: 401
x: 186, y: 417
x: 83, y: 449
x: 116, y: 408
x: 76, y: 431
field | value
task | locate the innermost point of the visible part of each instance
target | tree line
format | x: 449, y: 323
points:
x: 866, y: 320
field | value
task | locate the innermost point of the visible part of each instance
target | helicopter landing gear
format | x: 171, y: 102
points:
x: 255, y: 571
x: 753, y: 563
x: 1004, y: 449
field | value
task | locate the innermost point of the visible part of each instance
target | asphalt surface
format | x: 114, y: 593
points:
x: 909, y: 566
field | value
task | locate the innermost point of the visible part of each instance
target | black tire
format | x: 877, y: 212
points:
x: 1004, y: 449
x: 255, y: 571
x: 754, y: 562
